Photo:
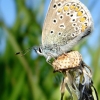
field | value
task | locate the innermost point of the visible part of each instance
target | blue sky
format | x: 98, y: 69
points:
x: 8, y: 13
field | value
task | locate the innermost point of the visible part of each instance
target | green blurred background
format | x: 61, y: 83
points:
x: 30, y: 77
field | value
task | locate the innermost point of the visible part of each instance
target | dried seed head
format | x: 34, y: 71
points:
x: 67, y: 61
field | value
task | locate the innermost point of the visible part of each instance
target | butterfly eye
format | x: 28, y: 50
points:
x: 40, y: 50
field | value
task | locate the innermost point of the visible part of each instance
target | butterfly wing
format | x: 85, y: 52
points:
x: 67, y: 21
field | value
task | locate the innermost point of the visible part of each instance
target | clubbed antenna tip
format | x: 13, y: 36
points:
x: 17, y: 53
x: 23, y: 52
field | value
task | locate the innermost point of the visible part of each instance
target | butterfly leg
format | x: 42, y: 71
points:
x: 62, y: 89
x: 49, y: 59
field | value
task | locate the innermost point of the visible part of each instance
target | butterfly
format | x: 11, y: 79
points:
x: 66, y: 23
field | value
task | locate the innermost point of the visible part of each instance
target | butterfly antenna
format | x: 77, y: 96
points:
x: 24, y: 51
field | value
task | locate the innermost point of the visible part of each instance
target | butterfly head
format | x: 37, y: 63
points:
x: 47, y: 51
x: 39, y: 50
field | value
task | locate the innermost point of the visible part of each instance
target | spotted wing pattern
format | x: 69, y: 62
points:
x: 65, y: 20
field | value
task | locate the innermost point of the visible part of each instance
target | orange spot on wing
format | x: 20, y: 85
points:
x: 82, y: 19
x: 59, y: 10
x: 76, y: 9
x: 66, y: 8
x: 79, y: 13
x: 72, y: 7
x: 83, y: 28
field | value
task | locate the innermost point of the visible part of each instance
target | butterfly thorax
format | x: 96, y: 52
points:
x: 50, y: 51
